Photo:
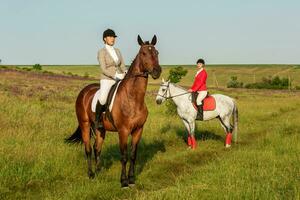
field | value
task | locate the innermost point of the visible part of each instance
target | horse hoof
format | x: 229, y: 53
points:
x: 91, y: 175
x: 124, y: 184
x: 131, y: 180
x: 131, y: 185
x: 98, y: 170
x: 227, y: 145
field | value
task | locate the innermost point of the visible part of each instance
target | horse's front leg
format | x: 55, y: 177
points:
x: 136, y: 136
x: 123, y: 139
x: 188, y: 128
x: 193, y: 138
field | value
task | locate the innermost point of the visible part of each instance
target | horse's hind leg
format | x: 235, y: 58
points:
x: 225, y: 122
x: 85, y: 128
x: 100, y: 136
x: 136, y: 136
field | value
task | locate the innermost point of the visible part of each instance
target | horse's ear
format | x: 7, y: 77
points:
x: 140, y: 41
x: 163, y: 80
x: 154, y: 40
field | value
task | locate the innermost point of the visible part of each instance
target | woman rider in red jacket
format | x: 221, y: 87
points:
x: 199, y: 86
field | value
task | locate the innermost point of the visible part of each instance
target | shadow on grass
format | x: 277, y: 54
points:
x: 181, y: 132
x: 146, y: 151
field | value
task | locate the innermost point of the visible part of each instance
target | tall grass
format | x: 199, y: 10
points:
x: 36, y: 114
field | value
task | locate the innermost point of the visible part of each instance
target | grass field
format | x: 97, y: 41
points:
x: 37, y: 113
x: 219, y: 75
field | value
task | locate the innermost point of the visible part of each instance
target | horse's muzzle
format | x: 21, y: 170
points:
x: 158, y: 101
x: 156, y: 72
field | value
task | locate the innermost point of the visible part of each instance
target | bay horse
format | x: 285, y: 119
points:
x: 225, y: 109
x: 129, y: 112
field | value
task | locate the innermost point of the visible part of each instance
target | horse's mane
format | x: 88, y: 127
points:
x: 131, y: 65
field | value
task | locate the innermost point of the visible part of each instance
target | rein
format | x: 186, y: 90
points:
x: 144, y: 74
x: 170, y: 97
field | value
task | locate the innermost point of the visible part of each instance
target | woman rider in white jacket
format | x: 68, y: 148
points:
x: 112, y: 68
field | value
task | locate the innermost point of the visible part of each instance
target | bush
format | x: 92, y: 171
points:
x: 26, y: 69
x: 37, y: 67
x: 175, y: 76
x: 233, y: 83
x: 70, y: 74
x: 270, y: 83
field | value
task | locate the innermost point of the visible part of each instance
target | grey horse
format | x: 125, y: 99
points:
x: 226, y: 109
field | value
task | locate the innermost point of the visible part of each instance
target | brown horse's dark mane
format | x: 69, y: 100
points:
x: 134, y: 65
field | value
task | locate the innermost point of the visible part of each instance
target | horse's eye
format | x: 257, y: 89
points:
x: 163, y: 90
x: 144, y: 53
x: 156, y: 52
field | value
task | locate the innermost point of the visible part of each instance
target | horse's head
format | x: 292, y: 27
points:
x: 163, y: 92
x: 149, y: 57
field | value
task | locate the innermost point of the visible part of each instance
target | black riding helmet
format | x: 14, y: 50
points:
x: 108, y: 32
x: 201, y: 61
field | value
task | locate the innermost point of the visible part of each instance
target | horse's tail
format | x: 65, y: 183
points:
x: 235, y: 122
x: 75, y: 137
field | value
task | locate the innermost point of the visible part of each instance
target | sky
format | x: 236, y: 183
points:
x: 222, y: 32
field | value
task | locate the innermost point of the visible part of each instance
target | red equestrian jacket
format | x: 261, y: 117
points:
x: 200, y: 81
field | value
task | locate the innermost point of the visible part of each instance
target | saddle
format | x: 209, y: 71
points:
x: 208, y: 104
x: 111, y: 95
x: 110, y: 100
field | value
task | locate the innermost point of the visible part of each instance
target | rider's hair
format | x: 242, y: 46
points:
x: 201, y: 61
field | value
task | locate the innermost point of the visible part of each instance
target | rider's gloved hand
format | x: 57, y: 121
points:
x: 119, y: 76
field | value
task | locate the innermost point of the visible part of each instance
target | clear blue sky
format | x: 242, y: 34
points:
x: 222, y: 32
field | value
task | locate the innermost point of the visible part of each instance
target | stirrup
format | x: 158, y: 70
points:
x: 98, y: 114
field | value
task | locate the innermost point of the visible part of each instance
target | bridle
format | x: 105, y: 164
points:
x: 164, y: 95
x: 142, y: 74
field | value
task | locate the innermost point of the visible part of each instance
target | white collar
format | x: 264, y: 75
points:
x: 111, y: 50
x: 200, y: 70
x: 109, y: 47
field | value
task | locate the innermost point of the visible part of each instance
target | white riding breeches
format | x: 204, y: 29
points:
x: 201, y: 97
x: 102, y: 93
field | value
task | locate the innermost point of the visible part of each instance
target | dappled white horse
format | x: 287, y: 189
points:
x: 224, y: 110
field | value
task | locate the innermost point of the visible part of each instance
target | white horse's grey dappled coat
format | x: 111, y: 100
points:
x: 225, y: 108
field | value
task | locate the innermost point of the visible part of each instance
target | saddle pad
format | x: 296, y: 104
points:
x: 110, y: 97
x: 209, y: 103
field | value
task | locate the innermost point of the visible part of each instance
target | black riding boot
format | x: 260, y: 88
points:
x: 200, y: 112
x: 98, y: 118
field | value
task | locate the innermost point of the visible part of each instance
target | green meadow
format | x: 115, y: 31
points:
x: 37, y: 111
x: 219, y: 75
